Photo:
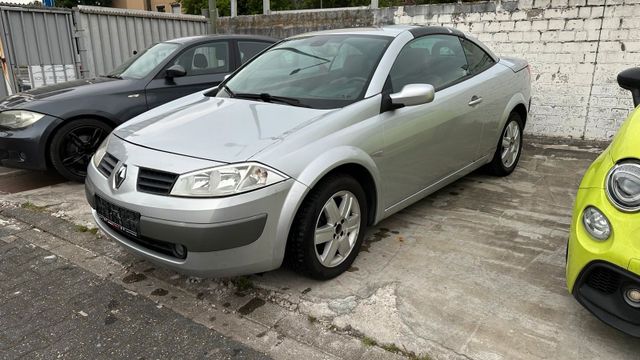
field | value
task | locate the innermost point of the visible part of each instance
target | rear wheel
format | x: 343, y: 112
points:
x: 509, y: 147
x: 328, y: 230
x: 73, y: 145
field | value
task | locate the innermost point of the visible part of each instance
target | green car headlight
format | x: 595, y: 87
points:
x: 18, y: 119
x: 623, y: 186
x: 226, y: 180
x: 596, y: 223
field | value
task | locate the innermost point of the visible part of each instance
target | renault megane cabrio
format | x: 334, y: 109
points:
x: 306, y: 145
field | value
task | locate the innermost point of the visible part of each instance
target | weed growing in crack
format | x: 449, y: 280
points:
x: 84, y: 229
x: 33, y: 207
x: 367, y: 341
x: 243, y: 283
x: 312, y: 319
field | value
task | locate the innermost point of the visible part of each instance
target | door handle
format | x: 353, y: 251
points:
x: 475, y: 100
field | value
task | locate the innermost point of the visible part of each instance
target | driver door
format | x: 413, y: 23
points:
x: 205, y: 64
x: 424, y: 144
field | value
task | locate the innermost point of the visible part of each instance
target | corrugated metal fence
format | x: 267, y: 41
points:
x: 109, y: 36
x: 45, y: 46
x: 37, y: 48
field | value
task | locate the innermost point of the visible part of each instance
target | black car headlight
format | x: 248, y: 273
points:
x: 623, y: 185
x: 18, y: 119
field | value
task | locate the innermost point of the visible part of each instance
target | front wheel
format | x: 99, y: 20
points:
x: 73, y: 145
x: 328, y: 230
x: 509, y: 147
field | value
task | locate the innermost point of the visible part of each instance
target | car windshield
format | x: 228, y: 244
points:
x: 141, y: 65
x: 324, y: 72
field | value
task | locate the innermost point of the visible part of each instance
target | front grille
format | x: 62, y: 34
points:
x: 107, y: 164
x: 604, y: 280
x: 155, y: 181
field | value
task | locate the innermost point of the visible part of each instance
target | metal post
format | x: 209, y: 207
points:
x: 266, y: 7
x: 234, y: 8
x: 213, y: 17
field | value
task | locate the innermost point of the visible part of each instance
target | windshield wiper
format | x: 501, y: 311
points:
x: 112, y: 76
x: 271, y: 98
x: 297, y: 51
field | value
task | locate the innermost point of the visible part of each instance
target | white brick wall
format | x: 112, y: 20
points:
x: 575, y: 47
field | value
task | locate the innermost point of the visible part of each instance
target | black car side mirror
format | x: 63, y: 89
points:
x: 175, y: 71
x: 630, y: 80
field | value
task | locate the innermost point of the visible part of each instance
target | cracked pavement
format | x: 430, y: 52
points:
x: 475, y: 271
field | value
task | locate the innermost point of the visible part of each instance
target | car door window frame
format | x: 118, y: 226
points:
x: 494, y: 61
x: 460, y: 38
x: 231, y: 50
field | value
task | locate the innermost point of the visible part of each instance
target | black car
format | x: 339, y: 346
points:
x: 60, y: 126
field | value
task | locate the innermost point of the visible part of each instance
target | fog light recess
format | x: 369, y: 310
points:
x: 632, y: 297
x: 179, y: 251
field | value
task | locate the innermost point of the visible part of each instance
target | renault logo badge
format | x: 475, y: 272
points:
x: 119, y: 176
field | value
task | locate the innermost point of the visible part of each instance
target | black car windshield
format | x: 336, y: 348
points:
x: 324, y: 71
x: 141, y: 65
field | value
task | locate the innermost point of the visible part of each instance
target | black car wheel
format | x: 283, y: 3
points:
x: 509, y: 147
x: 73, y: 145
x: 329, y: 228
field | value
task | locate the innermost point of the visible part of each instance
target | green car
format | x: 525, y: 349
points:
x: 603, y: 254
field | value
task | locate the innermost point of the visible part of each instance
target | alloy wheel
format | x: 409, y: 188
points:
x: 510, y: 144
x: 78, y: 146
x: 337, y: 229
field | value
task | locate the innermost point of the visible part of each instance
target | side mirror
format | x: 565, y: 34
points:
x: 175, y: 71
x: 413, y: 94
x: 630, y: 80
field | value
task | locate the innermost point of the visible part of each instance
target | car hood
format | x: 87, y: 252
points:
x: 625, y: 144
x: 219, y: 129
x: 63, y: 91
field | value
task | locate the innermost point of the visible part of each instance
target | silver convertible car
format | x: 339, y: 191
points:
x: 297, y: 152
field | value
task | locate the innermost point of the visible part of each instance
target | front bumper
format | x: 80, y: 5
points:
x: 600, y: 288
x: 228, y: 236
x: 27, y: 148
x: 598, y: 272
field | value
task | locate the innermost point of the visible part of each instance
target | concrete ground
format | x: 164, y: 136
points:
x: 475, y: 271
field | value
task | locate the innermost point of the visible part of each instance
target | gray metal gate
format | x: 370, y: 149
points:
x: 107, y: 36
x: 37, y: 48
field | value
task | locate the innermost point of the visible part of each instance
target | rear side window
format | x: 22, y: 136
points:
x: 438, y: 60
x: 249, y: 49
x: 477, y: 58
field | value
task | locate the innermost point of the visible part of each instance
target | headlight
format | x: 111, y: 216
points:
x: 623, y: 186
x: 596, y: 224
x: 226, y: 180
x: 18, y: 119
x: 100, y: 152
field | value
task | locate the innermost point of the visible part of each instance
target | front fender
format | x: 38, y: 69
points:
x: 336, y: 157
x: 309, y: 177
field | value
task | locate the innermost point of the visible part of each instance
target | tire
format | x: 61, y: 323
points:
x: 73, y: 145
x: 503, y: 166
x: 346, y: 234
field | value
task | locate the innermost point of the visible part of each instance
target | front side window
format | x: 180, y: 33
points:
x: 143, y: 64
x: 210, y: 58
x: 324, y: 71
x: 477, y: 58
x: 438, y: 60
